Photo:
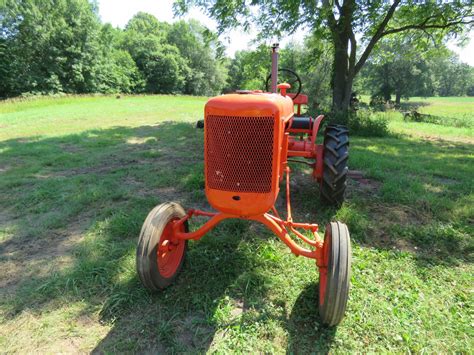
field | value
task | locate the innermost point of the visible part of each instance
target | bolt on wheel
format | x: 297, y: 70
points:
x: 159, y: 255
x: 334, y: 274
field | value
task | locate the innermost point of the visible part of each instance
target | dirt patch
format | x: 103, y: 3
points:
x: 24, y: 257
x: 384, y: 217
x: 107, y: 167
x: 71, y: 345
x: 359, y: 183
x: 193, y: 332
x: 445, y: 180
x: 4, y: 168
x: 239, y: 308
x: 113, y: 163
x: 141, y: 140
x: 382, y: 240
x: 70, y: 148
x: 446, y: 141
x: 398, y: 214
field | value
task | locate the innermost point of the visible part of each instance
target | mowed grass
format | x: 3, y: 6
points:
x: 454, y: 117
x: 79, y: 175
x: 445, y: 106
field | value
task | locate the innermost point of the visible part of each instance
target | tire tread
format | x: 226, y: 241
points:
x: 336, y: 154
x: 333, y: 308
x: 150, y: 235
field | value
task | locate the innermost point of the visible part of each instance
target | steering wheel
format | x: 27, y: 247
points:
x: 296, y: 79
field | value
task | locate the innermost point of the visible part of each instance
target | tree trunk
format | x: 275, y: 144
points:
x: 344, y: 60
x: 345, y: 66
x: 342, y: 78
x: 398, y: 97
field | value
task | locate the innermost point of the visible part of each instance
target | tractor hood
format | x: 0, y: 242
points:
x: 251, y: 103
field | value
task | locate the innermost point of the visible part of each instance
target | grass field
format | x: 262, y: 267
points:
x: 79, y: 175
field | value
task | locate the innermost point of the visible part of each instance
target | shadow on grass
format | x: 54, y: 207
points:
x: 306, y: 334
x: 417, y: 198
x: 93, y: 190
x: 104, y: 182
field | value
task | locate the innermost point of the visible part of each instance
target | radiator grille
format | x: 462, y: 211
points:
x: 239, y: 153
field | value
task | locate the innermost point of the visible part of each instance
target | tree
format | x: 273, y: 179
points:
x: 117, y: 71
x: 200, y: 48
x: 397, y: 67
x: 49, y: 46
x: 315, y: 74
x: 248, y: 69
x: 159, y: 62
x: 340, y: 21
x: 450, y: 76
x: 165, y: 71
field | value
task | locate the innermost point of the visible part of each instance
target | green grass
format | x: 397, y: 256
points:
x: 79, y: 175
x: 454, y: 117
x: 445, y: 106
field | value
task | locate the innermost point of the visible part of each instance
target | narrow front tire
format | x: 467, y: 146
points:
x: 160, y: 257
x: 334, y: 274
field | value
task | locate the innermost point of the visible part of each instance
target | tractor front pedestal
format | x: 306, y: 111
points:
x: 272, y: 221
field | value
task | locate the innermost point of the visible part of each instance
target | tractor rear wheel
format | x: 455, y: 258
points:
x: 334, y: 274
x: 160, y: 257
x: 336, y: 153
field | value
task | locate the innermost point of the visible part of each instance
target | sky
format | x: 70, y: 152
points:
x: 118, y: 12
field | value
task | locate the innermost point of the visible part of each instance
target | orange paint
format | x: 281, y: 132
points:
x: 242, y: 151
x: 246, y: 145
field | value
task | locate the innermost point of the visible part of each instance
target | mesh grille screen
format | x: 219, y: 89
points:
x: 239, y: 153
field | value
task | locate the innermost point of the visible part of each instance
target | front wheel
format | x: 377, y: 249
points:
x: 159, y: 256
x: 334, y: 274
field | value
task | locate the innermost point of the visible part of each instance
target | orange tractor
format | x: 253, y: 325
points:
x: 249, y: 137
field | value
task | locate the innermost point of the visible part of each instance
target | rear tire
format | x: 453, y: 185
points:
x: 335, y: 274
x: 159, y: 259
x: 336, y: 154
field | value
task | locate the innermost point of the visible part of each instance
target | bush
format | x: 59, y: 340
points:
x: 362, y: 123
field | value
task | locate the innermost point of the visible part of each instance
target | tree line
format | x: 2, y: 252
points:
x: 61, y: 46
x: 399, y: 68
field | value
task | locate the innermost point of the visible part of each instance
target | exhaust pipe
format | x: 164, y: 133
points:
x: 275, y: 48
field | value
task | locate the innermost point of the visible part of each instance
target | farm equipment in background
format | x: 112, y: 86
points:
x: 249, y: 139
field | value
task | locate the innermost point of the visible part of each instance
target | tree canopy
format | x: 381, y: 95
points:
x: 399, y: 67
x: 62, y: 46
x: 340, y: 22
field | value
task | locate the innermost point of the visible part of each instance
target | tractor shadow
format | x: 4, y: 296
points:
x: 212, y: 287
x: 306, y: 334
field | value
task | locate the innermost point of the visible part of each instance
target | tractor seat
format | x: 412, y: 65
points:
x: 301, y: 99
